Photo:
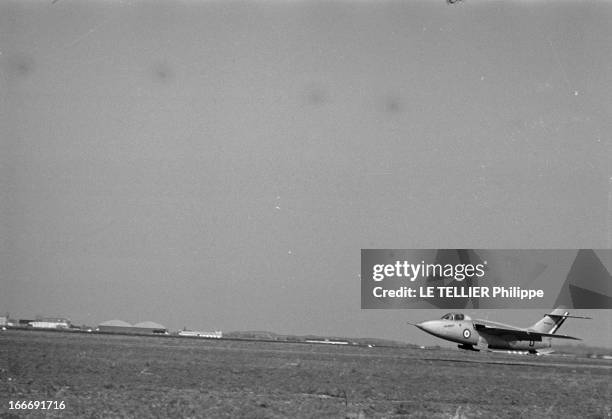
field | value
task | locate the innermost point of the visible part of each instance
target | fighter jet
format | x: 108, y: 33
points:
x: 469, y: 333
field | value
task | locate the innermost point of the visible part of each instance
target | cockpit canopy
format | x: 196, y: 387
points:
x: 455, y: 316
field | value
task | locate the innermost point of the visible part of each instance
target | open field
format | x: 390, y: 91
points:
x: 131, y: 376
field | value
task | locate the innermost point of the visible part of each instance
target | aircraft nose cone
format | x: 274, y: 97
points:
x: 425, y: 326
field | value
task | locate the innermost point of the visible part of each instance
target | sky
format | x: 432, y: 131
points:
x: 219, y: 165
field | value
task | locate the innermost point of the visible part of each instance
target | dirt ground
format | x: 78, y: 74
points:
x: 130, y: 376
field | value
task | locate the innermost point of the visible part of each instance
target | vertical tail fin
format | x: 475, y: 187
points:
x: 551, y: 322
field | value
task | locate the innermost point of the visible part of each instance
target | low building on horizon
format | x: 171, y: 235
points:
x: 216, y: 334
x: 142, y: 328
x: 6, y: 321
x: 46, y: 323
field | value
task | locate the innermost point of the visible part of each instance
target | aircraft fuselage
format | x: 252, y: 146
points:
x: 464, y: 333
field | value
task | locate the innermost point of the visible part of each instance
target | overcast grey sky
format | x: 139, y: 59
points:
x: 221, y: 164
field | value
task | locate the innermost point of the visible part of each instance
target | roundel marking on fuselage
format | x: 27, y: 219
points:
x: 466, y: 333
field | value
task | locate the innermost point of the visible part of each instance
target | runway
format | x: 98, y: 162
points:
x: 178, y: 377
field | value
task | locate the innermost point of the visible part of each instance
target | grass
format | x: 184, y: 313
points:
x: 130, y: 376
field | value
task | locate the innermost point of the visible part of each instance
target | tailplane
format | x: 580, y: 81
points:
x: 551, y: 322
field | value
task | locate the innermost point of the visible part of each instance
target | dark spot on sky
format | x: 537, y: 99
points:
x: 393, y: 105
x: 163, y: 73
x: 20, y: 66
x: 316, y: 95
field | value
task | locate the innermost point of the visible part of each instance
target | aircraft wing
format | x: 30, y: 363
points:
x: 517, y: 334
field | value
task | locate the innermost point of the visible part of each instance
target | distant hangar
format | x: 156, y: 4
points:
x: 143, y: 328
